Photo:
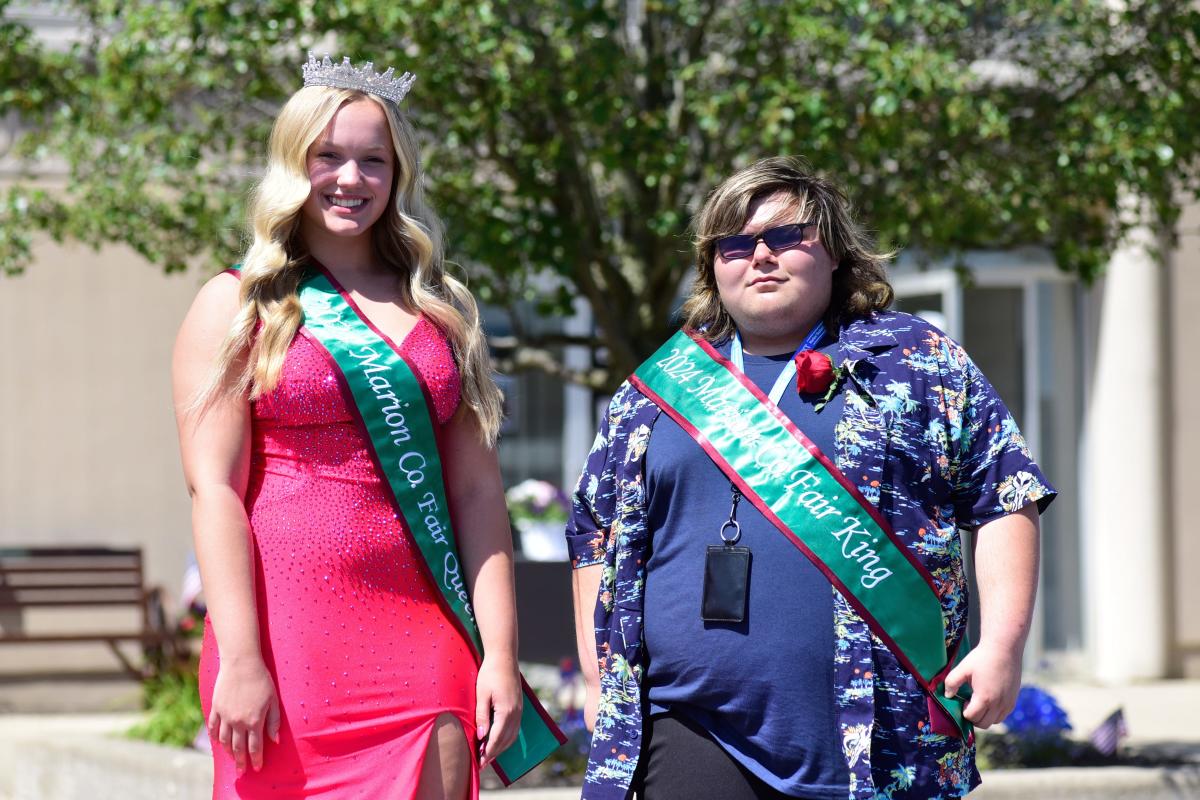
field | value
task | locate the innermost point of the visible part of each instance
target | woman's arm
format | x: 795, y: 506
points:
x: 215, y: 447
x: 1006, y: 570
x: 585, y: 588
x: 475, y: 493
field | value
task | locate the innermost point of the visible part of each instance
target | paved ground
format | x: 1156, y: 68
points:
x: 1157, y: 711
x: 85, y: 757
x: 59, y: 740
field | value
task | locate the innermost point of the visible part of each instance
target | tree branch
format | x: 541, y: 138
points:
x: 544, y: 340
x: 528, y: 359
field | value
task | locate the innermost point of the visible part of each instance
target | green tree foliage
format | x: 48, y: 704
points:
x: 569, y: 141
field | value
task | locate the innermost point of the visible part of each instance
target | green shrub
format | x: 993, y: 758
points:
x: 172, y: 700
x: 996, y: 750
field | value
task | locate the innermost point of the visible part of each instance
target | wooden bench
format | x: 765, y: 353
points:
x: 85, y: 577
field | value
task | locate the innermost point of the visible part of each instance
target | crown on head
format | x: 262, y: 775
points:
x: 362, y: 79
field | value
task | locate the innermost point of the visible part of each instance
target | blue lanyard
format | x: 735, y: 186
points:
x: 789, y: 369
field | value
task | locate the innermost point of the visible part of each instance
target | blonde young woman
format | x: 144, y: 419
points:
x: 335, y: 410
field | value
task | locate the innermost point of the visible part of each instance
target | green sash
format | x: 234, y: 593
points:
x: 811, y: 502
x: 390, y: 401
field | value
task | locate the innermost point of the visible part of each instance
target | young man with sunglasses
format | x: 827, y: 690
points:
x: 769, y: 585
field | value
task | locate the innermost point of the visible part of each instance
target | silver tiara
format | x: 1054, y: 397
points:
x: 363, y: 79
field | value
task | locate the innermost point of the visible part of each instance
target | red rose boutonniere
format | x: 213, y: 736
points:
x: 815, y: 372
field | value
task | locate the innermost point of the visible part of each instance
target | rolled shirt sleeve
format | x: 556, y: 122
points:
x: 592, y: 506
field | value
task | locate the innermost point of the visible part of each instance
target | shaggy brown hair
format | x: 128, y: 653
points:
x: 860, y: 285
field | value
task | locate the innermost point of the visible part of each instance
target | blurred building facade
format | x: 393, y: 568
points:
x: 1103, y: 384
x: 1101, y: 379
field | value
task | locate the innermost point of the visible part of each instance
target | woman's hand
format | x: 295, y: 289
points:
x: 215, y: 445
x: 476, y: 493
x: 244, y: 704
x: 498, y: 702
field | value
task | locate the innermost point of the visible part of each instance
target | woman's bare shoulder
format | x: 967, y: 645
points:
x: 213, y: 310
x: 219, y: 298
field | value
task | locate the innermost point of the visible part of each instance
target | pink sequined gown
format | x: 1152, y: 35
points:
x: 363, y: 654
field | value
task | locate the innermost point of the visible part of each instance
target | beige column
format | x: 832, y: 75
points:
x: 579, y: 425
x: 1183, y: 275
x: 1124, y: 473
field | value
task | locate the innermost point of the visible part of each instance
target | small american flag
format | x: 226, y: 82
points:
x: 1108, y: 734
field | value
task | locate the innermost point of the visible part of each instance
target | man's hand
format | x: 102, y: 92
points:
x: 1006, y: 569
x: 585, y: 588
x: 994, y: 675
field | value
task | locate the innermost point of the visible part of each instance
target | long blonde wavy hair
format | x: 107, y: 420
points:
x: 407, y: 239
x: 860, y: 283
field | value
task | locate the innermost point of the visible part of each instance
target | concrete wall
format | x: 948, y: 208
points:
x: 1183, y: 436
x: 88, y: 450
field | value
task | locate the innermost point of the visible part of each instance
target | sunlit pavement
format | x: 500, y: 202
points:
x: 56, y: 756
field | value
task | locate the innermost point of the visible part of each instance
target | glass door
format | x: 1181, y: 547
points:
x: 1020, y: 324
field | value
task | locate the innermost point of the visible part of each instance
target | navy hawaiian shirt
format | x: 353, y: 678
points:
x: 926, y: 439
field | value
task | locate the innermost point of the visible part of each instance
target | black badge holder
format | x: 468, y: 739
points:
x: 726, y: 573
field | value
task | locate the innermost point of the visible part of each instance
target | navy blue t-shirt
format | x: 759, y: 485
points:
x: 763, y: 688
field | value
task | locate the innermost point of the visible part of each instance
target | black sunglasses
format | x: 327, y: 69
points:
x: 741, y: 245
